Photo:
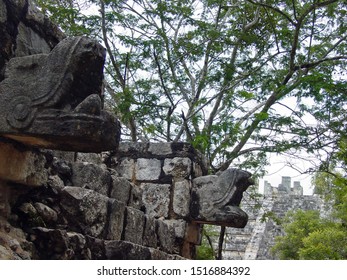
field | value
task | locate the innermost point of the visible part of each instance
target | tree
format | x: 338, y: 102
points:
x: 218, y: 73
x: 236, y: 79
x: 326, y: 244
x: 297, y: 226
x: 307, y: 235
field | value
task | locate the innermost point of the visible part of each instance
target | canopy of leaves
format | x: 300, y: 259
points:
x: 307, y: 235
x: 237, y: 79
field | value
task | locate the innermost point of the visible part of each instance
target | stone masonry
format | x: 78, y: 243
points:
x: 69, y: 187
x: 254, y: 242
x: 79, y: 206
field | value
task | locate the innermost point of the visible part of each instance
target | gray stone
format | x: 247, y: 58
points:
x: 85, y: 210
x: 28, y: 209
x: 125, y: 168
x: 216, y: 199
x: 121, y: 189
x: 181, y: 198
x: 123, y: 250
x: 179, y: 227
x: 134, y: 225
x: 23, y: 167
x: 148, y: 169
x: 178, y: 167
x: 132, y: 149
x: 40, y: 93
x: 47, y: 213
x: 166, y: 236
x: 150, y: 238
x: 136, y: 198
x: 91, y: 176
x: 62, y: 168
x: 115, y: 220
x: 78, y: 243
x: 160, y: 149
x: 3, y: 12
x: 89, y: 157
x: 156, y: 199
x: 52, y: 243
x: 55, y: 182
x: 29, y: 42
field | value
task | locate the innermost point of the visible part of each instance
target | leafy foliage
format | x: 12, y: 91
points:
x: 236, y: 79
x: 206, y: 251
x: 307, y: 235
x: 219, y: 73
x: 297, y: 226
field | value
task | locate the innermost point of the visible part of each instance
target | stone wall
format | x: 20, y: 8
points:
x: 24, y: 31
x: 130, y: 205
x: 134, y: 201
x: 254, y: 242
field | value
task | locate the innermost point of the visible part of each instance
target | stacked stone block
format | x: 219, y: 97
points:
x: 160, y: 175
x: 257, y: 238
x: 87, y: 206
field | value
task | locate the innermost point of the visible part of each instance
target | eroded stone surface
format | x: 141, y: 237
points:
x: 53, y: 100
x: 156, y: 199
x: 148, y: 169
x: 216, y: 199
x: 22, y: 166
x: 178, y: 167
x: 181, y: 198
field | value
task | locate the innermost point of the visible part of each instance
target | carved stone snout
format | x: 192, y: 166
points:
x: 216, y: 199
x: 54, y: 100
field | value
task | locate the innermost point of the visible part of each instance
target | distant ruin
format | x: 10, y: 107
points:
x: 254, y: 242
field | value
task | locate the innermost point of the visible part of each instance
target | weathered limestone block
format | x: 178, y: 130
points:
x: 95, y: 158
x: 156, y: 199
x: 55, y: 182
x: 178, y: 167
x: 160, y: 149
x: 48, y: 214
x: 170, y: 235
x: 78, y: 243
x: 91, y: 176
x: 28, y: 42
x: 179, y: 227
x: 86, y: 210
x: 136, y: 198
x: 181, y: 198
x: 22, y: 166
x: 125, y: 167
x: 62, y: 168
x: 148, y: 169
x: 53, y: 100
x: 134, y: 225
x: 121, y: 189
x: 52, y: 243
x: 115, y: 220
x: 216, y: 199
x: 150, y: 238
x: 121, y: 250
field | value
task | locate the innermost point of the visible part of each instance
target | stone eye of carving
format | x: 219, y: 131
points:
x: 21, y: 112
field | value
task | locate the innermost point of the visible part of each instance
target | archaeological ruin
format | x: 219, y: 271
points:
x: 69, y: 187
